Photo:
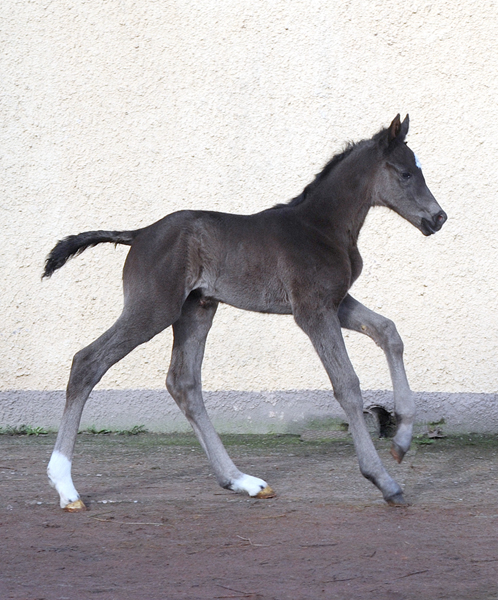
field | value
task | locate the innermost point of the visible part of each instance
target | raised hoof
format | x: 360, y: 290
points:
x: 397, y: 500
x: 265, y: 493
x: 397, y: 452
x: 76, y: 506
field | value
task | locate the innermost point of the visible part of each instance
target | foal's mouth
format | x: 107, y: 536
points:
x: 429, y: 227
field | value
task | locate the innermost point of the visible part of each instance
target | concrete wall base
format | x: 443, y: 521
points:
x: 239, y: 411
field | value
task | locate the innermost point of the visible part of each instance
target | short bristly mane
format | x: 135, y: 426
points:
x: 333, y: 162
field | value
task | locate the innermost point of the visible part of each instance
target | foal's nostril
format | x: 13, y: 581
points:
x: 440, y: 219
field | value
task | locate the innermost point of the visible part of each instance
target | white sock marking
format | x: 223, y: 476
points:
x: 59, y: 475
x: 250, y: 485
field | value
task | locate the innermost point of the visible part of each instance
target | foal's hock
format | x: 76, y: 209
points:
x: 299, y: 258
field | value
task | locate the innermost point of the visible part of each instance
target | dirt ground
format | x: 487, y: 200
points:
x: 159, y: 528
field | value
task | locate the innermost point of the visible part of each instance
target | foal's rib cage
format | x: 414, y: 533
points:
x: 299, y: 258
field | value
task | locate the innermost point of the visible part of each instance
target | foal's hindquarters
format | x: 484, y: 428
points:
x: 151, y: 304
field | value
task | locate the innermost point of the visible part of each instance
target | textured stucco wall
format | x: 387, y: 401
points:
x: 116, y: 113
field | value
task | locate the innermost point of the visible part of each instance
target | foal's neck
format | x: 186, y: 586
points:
x: 343, y: 198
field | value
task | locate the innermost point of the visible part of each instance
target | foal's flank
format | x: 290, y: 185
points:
x: 299, y: 258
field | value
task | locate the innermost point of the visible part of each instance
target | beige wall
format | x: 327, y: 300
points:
x: 116, y: 113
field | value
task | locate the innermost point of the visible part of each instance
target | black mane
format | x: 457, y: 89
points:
x: 336, y: 159
x: 333, y: 162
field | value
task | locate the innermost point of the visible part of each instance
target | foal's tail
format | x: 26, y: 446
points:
x: 76, y: 244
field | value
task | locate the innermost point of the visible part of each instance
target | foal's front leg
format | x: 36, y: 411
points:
x: 353, y: 315
x: 184, y: 384
x: 324, y: 330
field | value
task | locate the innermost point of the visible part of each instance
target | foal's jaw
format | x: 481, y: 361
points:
x: 421, y: 210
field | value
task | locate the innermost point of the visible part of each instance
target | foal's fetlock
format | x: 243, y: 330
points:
x: 397, y: 452
x: 394, y: 495
x: 402, y: 441
x: 396, y: 500
x: 391, y: 491
x: 400, y: 447
x: 59, y: 476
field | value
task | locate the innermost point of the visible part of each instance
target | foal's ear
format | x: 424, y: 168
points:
x: 404, y: 128
x: 398, y: 130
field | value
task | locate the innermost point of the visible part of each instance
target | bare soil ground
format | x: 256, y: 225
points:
x: 158, y: 527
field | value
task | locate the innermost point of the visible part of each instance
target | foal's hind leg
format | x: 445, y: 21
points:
x: 89, y: 366
x: 324, y: 330
x: 184, y: 384
x: 357, y: 317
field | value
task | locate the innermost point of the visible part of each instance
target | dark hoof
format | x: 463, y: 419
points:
x: 397, y: 452
x: 397, y: 500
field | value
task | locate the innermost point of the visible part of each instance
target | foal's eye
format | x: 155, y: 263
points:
x: 406, y: 175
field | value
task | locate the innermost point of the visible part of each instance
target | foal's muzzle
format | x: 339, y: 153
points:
x: 430, y: 226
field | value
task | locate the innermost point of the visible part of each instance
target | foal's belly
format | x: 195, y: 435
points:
x: 247, y: 295
x: 261, y: 307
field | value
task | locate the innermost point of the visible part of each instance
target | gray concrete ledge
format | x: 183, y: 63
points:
x: 239, y: 411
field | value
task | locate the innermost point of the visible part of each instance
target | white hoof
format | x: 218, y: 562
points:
x: 253, y: 486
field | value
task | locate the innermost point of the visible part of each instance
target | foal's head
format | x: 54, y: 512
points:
x: 399, y: 183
